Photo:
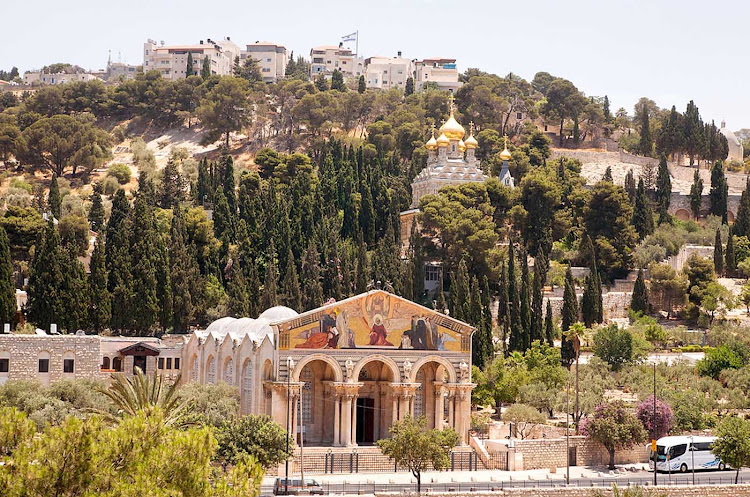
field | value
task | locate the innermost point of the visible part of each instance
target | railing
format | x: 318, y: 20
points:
x: 354, y: 462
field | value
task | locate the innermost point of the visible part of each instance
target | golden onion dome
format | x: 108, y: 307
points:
x: 505, y: 155
x: 431, y: 143
x: 471, y: 142
x: 461, y: 146
x: 443, y: 140
x: 452, y: 129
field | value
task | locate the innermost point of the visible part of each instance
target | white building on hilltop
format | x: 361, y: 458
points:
x: 325, y: 59
x: 271, y: 58
x: 440, y: 71
x: 384, y: 73
x: 736, y: 151
x: 171, y: 60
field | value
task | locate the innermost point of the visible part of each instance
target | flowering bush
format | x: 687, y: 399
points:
x: 662, y: 421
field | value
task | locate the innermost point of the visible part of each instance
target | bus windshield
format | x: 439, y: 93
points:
x: 661, y: 453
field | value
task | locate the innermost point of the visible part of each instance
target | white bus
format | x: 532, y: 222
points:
x: 678, y: 454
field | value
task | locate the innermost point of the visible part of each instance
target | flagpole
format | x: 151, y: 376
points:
x: 356, y: 47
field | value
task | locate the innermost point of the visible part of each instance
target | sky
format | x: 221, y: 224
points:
x: 670, y: 51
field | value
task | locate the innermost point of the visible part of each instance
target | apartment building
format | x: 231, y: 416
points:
x: 119, y: 70
x: 272, y: 59
x: 39, y: 78
x: 442, y: 72
x: 384, y: 73
x: 327, y: 58
x: 171, y: 60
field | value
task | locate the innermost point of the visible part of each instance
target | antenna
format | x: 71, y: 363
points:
x: 119, y: 56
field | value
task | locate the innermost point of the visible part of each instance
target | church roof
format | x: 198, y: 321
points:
x: 255, y: 329
x: 730, y: 136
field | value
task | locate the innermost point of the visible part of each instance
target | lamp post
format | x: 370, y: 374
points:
x: 567, y: 434
x: 653, y: 424
x: 692, y: 456
x: 289, y: 364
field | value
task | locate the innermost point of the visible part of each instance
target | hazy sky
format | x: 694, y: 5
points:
x: 669, y: 50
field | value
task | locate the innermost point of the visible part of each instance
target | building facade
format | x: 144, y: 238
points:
x: 442, y: 72
x: 736, y: 151
x: 271, y: 58
x: 385, y: 73
x: 171, y: 60
x: 327, y: 58
x: 39, y: 78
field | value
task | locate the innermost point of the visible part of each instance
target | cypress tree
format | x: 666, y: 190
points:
x: 361, y: 86
x: 146, y: 189
x: 73, y: 290
x: 525, y: 301
x: 163, y: 283
x: 502, y: 306
x: 646, y: 144
x: 607, y: 175
x: 45, y: 292
x: 588, y: 303
x: 96, y: 213
x: 730, y: 265
x: 516, y: 339
x: 569, y: 316
x: 475, y: 318
x: 118, y: 262
x: 228, y: 184
x: 100, y: 303
x: 696, y: 194
x: 718, y: 193
x: 663, y: 190
x: 741, y: 225
x: 222, y: 217
x: 172, y: 186
x: 549, y: 325
x: 409, y: 88
x: 189, y: 70
x: 144, y: 256
x: 639, y: 301
x: 54, y: 201
x: 183, y: 275
x: 489, y: 347
x: 362, y: 269
x: 292, y: 297
x: 537, y: 314
x: 643, y: 218
x: 440, y: 304
x: 461, y: 293
x: 630, y: 185
x: 237, y: 291
x: 337, y: 81
x: 7, y: 287
x: 253, y: 290
x: 206, y: 68
x: 596, y: 281
x: 313, y: 296
x: 718, y: 254
x: 270, y: 282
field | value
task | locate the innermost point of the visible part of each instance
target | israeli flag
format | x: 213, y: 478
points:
x: 349, y: 37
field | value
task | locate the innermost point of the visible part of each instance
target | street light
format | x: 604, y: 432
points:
x: 567, y: 434
x: 653, y: 425
x: 289, y: 365
x: 692, y: 456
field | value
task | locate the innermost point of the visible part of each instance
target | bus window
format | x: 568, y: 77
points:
x: 702, y: 446
x: 661, y: 453
x: 677, y: 450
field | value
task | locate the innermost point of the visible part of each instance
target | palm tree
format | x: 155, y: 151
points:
x: 143, y: 394
x: 576, y: 333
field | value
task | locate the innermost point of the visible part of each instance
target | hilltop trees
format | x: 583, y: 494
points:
x: 225, y: 108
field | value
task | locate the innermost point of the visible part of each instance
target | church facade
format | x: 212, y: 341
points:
x: 347, y: 370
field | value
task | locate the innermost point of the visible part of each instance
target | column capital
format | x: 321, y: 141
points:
x: 405, y: 389
x: 295, y: 387
x: 346, y: 388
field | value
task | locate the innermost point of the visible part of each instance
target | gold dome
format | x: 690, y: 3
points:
x: 461, y: 146
x: 505, y: 154
x: 452, y: 129
x: 471, y: 142
x: 443, y: 140
x: 431, y: 143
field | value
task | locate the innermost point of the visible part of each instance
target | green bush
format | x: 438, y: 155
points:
x: 21, y: 184
x: 119, y: 171
x: 717, y: 360
x: 110, y: 186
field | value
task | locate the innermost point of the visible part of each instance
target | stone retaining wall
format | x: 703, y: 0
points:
x: 550, y: 453
x: 667, y: 491
x: 616, y: 304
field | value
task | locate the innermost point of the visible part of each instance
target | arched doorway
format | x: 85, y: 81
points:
x: 374, y: 404
x: 429, y: 400
x: 317, y: 402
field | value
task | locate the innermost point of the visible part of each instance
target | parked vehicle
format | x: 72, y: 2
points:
x: 297, y: 487
x: 680, y: 454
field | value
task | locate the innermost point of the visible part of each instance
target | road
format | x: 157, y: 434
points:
x: 483, y: 482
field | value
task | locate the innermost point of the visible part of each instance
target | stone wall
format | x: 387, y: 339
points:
x: 668, y: 491
x: 550, y: 453
x: 615, y: 304
x: 678, y: 261
x: 24, y: 352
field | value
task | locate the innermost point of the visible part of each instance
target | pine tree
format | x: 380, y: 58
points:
x: 643, y: 218
x: 696, y: 194
x: 569, y: 316
x: 189, y: 70
x: 54, y: 201
x: 7, y: 287
x: 310, y: 276
x: 718, y: 193
x: 183, y: 275
x: 144, y: 256
x: 290, y: 290
x: 718, y: 254
x: 172, y: 186
x: 409, y: 88
x: 549, y: 325
x: 730, y: 265
x: 639, y: 300
x: 45, y: 296
x: 100, y: 302
x: 742, y: 222
x: 537, y: 314
x: 361, y: 86
x: 646, y: 144
x: 206, y: 68
x: 663, y: 190
x: 270, y: 282
x: 607, y: 175
x: 321, y: 83
x: 96, y: 213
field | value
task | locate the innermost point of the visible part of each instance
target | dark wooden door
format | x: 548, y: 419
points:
x: 365, y: 421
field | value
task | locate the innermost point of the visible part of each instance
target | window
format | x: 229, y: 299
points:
x: 247, y: 385
x: 519, y: 115
x: 4, y: 365
x: 169, y: 363
x: 419, y: 395
x: 211, y: 374
x: 268, y: 60
x: 68, y: 365
x: 702, y: 446
x: 44, y: 365
x: 161, y: 363
x: 117, y: 364
x: 307, y: 395
x: 229, y: 372
x: 177, y: 363
x: 431, y: 272
x: 105, y: 363
x: 677, y: 451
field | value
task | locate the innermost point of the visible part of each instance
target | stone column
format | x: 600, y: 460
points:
x: 354, y: 421
x: 394, y: 398
x: 346, y: 411
x: 336, y: 420
x: 439, y: 406
x: 451, y: 410
x: 295, y: 409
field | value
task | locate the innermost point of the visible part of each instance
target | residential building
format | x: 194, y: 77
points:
x: 39, y: 78
x: 271, y: 58
x: 119, y: 70
x: 327, y: 58
x: 442, y: 72
x: 384, y: 73
x: 171, y: 60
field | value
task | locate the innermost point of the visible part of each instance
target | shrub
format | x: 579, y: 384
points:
x: 21, y: 184
x: 110, y: 186
x: 119, y: 171
x: 717, y: 360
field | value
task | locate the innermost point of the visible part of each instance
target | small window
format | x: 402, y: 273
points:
x: 177, y: 363
x: 44, y: 365
x: 702, y: 446
x: 68, y: 365
x: 161, y: 363
x: 117, y: 364
x: 105, y: 363
x: 4, y: 365
x: 169, y: 363
x: 519, y: 115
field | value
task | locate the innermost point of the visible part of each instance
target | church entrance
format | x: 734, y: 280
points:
x: 365, y: 421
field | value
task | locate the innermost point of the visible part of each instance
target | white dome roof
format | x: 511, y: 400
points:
x: 255, y: 329
x: 730, y: 136
x: 278, y: 313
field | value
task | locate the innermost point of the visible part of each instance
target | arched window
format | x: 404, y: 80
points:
x: 105, y: 363
x: 306, y: 376
x: 211, y: 370
x: 247, y: 386
x: 117, y: 364
x: 229, y: 372
x: 419, y: 395
x: 194, y: 369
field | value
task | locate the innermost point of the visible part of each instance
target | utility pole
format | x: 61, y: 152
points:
x: 289, y: 363
x: 567, y: 434
x: 653, y: 440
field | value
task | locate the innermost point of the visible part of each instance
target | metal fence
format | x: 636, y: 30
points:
x: 354, y: 462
